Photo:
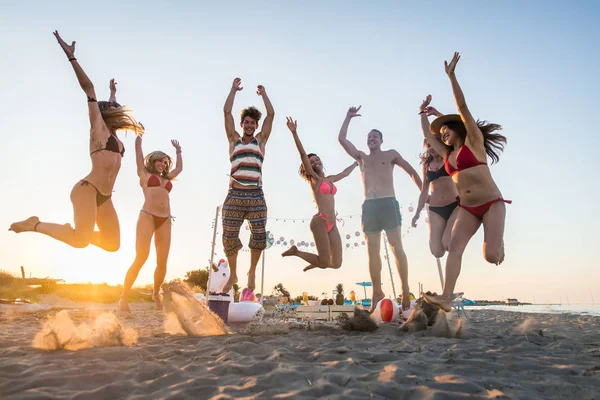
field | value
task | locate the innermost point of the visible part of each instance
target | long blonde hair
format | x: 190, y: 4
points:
x: 151, y: 158
x: 119, y: 119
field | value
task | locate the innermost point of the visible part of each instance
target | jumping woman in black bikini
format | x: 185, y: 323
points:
x: 91, y: 196
x: 442, y: 201
x: 155, y: 216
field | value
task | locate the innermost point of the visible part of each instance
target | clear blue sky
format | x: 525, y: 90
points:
x: 530, y: 66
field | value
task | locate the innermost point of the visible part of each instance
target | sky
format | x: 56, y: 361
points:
x: 529, y: 66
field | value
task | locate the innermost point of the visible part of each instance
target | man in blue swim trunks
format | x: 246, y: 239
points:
x: 380, y: 210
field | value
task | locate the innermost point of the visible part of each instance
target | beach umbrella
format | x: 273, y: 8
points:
x: 364, y: 285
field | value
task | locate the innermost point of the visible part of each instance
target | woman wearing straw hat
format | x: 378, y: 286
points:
x: 443, y: 207
x: 466, y: 144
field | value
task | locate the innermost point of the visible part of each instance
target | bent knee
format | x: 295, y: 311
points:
x: 336, y: 264
x: 437, y: 250
x: 112, y: 247
x: 80, y: 241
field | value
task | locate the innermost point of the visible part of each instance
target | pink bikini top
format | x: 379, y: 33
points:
x: 324, y: 188
x: 154, y: 181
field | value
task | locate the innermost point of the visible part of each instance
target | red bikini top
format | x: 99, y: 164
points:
x: 154, y: 181
x: 465, y: 159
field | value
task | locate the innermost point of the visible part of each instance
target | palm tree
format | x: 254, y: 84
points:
x: 339, y: 297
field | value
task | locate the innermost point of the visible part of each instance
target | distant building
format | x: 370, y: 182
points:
x: 511, y: 302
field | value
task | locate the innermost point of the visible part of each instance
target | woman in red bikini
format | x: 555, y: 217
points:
x: 91, y: 196
x: 466, y: 144
x: 322, y: 225
x: 155, y: 216
x: 443, y: 207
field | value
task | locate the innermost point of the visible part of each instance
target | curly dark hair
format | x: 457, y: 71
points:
x: 493, y: 142
x: 251, y: 112
x: 302, y: 170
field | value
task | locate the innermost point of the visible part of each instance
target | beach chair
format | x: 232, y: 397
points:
x: 457, y: 304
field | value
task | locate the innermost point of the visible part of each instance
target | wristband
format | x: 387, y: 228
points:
x: 72, y: 59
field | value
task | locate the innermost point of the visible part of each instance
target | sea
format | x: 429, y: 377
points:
x: 580, y: 309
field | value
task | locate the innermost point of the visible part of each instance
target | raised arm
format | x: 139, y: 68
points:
x: 139, y: 156
x: 264, y: 134
x: 232, y: 135
x: 422, y: 197
x: 113, y: 90
x: 402, y: 163
x: 343, y: 135
x: 344, y: 173
x: 424, y: 111
x: 473, y: 132
x: 292, y: 125
x: 86, y: 84
x: 179, y: 163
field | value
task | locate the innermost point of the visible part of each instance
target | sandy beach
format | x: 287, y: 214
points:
x: 502, y: 355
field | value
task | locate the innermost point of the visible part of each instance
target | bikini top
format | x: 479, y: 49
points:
x: 433, y: 175
x: 324, y: 188
x: 465, y: 159
x: 154, y: 181
x: 112, y: 144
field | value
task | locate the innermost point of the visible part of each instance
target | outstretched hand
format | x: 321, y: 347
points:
x: 353, y: 112
x: 237, y: 84
x: 113, y: 86
x: 68, y: 49
x: 176, y: 144
x: 452, y: 66
x: 425, y: 103
x: 291, y: 124
x: 433, y: 111
x: 260, y: 90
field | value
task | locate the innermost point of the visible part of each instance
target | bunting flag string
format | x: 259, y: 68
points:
x: 350, y: 241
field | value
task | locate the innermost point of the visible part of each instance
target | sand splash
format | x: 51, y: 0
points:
x: 60, y: 332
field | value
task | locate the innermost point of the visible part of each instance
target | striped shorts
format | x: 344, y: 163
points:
x: 240, y: 205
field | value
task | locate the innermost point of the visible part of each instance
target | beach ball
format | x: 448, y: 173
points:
x: 387, y: 310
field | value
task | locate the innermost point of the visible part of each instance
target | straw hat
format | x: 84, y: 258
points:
x: 437, y: 123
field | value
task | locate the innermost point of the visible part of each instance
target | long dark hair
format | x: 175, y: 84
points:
x: 493, y: 142
x: 426, y: 157
x: 302, y: 170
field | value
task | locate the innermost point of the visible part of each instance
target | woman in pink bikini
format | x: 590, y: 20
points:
x: 155, y: 216
x: 322, y: 225
x: 466, y: 144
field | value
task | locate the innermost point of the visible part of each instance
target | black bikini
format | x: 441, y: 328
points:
x: 112, y: 144
x: 444, y: 211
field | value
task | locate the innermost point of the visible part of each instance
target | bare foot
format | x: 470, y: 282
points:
x: 25, y: 226
x: 377, y: 297
x: 124, y: 305
x: 405, y: 300
x: 229, y: 284
x: 438, y: 301
x: 157, y: 301
x: 309, y: 267
x: 292, y: 251
x: 251, y: 281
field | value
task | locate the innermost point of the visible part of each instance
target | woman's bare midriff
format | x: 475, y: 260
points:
x: 105, y: 168
x: 442, y: 192
x: 325, y: 205
x: 157, y: 201
x: 476, y: 186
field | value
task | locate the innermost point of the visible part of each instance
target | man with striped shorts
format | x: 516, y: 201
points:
x: 245, y: 199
